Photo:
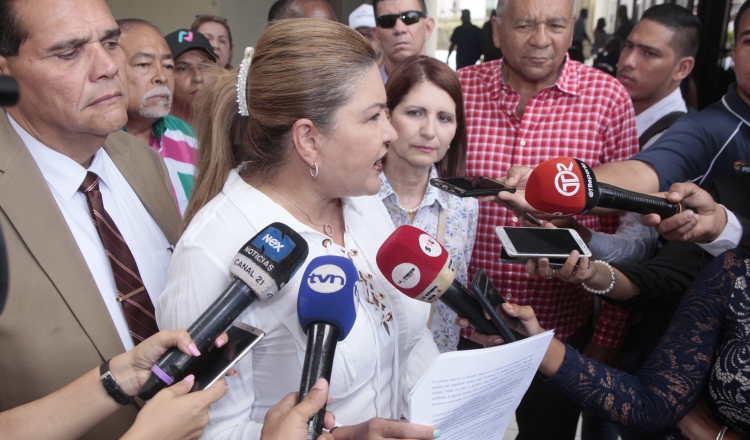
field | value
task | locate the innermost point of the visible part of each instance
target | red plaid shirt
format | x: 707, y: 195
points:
x: 586, y: 114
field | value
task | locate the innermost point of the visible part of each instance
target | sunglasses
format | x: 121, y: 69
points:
x: 408, y: 17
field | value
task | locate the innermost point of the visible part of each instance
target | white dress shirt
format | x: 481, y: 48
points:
x: 383, y: 356
x: 145, y: 239
x: 728, y: 239
x: 672, y: 103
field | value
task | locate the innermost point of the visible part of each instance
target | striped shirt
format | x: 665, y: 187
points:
x: 175, y: 141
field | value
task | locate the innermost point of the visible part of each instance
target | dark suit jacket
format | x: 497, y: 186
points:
x: 55, y: 326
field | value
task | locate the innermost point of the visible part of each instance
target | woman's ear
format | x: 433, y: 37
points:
x: 306, y: 139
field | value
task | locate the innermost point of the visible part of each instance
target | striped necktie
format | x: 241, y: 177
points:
x: 132, y: 294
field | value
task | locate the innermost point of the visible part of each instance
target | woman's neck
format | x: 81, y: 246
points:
x: 303, y: 202
x: 407, y: 181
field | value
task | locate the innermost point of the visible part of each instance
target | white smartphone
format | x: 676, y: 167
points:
x: 541, y: 242
x: 213, y: 365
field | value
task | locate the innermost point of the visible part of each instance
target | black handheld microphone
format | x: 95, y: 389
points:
x: 8, y: 91
x: 567, y: 186
x: 327, y: 309
x: 420, y: 267
x: 260, y: 269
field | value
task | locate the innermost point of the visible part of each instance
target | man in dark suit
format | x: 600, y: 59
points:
x: 64, y: 316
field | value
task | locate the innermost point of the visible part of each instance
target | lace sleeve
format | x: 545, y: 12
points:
x: 672, y: 379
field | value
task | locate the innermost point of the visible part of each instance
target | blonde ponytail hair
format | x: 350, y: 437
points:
x: 301, y: 69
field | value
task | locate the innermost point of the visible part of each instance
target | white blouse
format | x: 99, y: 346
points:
x: 374, y: 368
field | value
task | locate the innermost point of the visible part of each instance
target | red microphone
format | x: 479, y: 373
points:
x: 420, y: 267
x: 567, y: 186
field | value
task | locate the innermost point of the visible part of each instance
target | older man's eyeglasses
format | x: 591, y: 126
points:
x: 408, y: 17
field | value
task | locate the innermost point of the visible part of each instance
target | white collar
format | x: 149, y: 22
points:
x: 671, y: 103
x: 63, y: 174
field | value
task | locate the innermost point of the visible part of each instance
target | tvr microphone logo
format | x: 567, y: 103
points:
x: 327, y: 278
x: 566, y: 182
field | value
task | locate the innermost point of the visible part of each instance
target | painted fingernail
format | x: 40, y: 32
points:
x: 220, y: 343
x: 189, y: 378
x: 194, y: 350
x: 437, y: 433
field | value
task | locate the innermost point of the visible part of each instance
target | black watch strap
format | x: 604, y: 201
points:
x: 110, y: 385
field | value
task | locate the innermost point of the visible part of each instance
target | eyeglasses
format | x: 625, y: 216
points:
x: 408, y: 17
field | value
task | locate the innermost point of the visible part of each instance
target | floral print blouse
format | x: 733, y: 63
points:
x: 460, y: 231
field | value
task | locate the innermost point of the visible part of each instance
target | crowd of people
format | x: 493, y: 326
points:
x: 135, y: 164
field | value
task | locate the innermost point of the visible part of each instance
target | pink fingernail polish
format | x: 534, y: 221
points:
x: 194, y: 350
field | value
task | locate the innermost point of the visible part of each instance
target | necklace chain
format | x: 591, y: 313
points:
x: 412, y: 210
x: 327, y: 227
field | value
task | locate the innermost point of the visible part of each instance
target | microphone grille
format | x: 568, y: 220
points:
x: 562, y: 186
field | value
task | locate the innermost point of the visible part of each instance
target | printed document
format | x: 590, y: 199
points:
x: 472, y: 395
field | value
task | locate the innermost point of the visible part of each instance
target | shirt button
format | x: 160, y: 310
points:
x: 327, y: 242
x: 353, y: 253
x: 508, y: 296
x: 368, y: 276
x: 510, y: 113
x: 523, y: 143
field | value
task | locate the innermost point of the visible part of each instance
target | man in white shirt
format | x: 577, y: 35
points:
x: 63, y: 317
x: 658, y: 54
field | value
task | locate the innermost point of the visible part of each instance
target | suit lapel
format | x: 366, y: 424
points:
x: 27, y: 201
x: 139, y: 170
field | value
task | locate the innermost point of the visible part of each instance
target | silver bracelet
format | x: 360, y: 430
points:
x: 722, y: 432
x: 611, y: 284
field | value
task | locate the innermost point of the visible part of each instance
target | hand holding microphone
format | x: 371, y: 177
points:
x: 567, y: 186
x: 327, y: 309
x: 260, y: 269
x: 703, y: 224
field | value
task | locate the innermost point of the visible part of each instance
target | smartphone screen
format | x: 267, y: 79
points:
x: 536, y: 242
x: 213, y: 365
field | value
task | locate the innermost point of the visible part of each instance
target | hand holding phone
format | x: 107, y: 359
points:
x: 491, y: 300
x: 213, y: 365
x: 471, y: 186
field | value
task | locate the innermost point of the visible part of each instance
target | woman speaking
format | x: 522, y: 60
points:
x: 297, y: 135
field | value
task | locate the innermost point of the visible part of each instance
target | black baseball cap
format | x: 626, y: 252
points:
x: 183, y: 40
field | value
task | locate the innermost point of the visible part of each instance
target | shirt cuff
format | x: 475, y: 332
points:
x: 728, y: 239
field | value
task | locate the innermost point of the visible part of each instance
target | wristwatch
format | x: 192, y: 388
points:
x: 110, y: 385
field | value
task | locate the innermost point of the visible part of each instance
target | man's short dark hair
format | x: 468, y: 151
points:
x: 685, y: 27
x: 126, y: 23
x: 281, y: 9
x: 745, y: 6
x: 421, y: 5
x: 12, y: 32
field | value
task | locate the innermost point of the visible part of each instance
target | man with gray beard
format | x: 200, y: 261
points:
x: 149, y: 72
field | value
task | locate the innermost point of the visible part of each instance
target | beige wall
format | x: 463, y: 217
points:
x: 169, y: 15
x: 247, y: 18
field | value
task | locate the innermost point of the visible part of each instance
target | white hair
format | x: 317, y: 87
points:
x: 502, y: 7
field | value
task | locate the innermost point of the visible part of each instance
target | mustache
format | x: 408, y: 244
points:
x: 159, y: 90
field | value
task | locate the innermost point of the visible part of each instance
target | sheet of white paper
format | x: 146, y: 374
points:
x: 472, y: 395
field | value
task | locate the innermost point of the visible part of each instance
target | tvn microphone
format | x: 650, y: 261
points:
x: 262, y: 267
x: 567, y: 186
x: 420, y: 267
x: 327, y: 309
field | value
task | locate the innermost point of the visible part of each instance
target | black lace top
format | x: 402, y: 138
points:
x: 707, y: 346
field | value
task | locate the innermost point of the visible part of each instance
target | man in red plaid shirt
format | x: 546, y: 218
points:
x: 533, y: 105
